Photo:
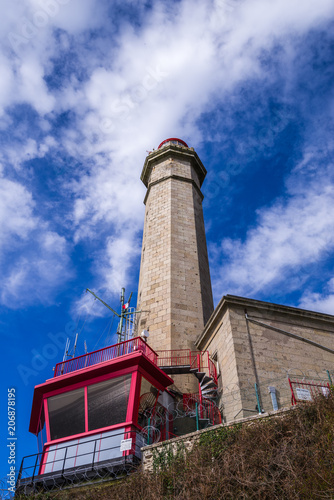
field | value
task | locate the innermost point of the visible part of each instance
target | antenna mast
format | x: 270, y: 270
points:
x: 126, y: 318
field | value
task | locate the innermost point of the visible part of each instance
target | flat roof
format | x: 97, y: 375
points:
x: 234, y: 300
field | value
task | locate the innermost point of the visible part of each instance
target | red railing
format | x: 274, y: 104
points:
x: 206, y: 409
x: 199, y: 360
x: 302, y: 390
x: 105, y: 354
x: 176, y: 357
x: 181, y: 357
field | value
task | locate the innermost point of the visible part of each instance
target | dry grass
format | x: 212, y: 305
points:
x: 282, y: 458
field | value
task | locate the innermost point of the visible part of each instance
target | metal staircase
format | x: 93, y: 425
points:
x: 196, y: 362
x: 207, y: 386
x: 201, y: 406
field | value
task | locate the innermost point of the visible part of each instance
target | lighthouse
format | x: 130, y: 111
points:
x: 174, y: 291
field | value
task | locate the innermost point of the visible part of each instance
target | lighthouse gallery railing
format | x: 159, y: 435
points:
x: 105, y: 354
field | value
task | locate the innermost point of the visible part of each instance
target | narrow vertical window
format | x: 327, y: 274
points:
x: 108, y: 402
x: 67, y: 414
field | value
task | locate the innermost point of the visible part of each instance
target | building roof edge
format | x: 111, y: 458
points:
x: 229, y: 300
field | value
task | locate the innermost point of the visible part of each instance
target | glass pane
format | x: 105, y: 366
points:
x: 108, y: 402
x: 67, y: 414
x: 41, y: 436
x: 148, y: 395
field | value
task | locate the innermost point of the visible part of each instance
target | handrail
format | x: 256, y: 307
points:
x: 105, y: 354
x: 40, y: 457
x: 195, y: 359
x: 206, y: 408
x: 177, y: 357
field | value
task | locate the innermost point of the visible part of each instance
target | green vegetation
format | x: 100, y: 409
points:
x: 289, y: 457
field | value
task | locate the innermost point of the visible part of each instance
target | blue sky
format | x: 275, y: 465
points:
x: 87, y: 87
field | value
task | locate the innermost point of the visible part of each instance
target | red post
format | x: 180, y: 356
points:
x: 293, y: 399
x: 199, y: 362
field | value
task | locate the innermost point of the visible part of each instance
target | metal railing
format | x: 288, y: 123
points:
x: 307, y: 390
x: 178, y: 357
x: 105, y: 354
x: 203, y: 408
x: 33, y: 467
x: 196, y: 360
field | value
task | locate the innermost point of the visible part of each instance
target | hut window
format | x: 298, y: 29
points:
x: 67, y: 414
x: 108, y: 402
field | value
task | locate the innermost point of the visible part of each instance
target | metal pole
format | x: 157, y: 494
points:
x: 199, y: 362
x: 62, y: 472
x: 121, y: 316
x: 32, y: 479
x: 253, y: 363
x: 197, y: 421
x: 330, y: 378
x: 258, y: 399
x: 293, y: 399
x: 94, y: 455
x: 20, y: 473
x: 148, y: 431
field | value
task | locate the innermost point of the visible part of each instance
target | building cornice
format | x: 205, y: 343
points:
x: 173, y: 151
x: 233, y: 300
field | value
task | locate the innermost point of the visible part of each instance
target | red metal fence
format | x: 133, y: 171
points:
x: 106, y: 354
x: 206, y: 409
x: 307, y: 390
x: 176, y: 357
x: 199, y: 360
x: 181, y: 357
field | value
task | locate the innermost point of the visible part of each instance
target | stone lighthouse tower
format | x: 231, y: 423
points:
x: 174, y: 292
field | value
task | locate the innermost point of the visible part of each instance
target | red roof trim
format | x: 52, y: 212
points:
x: 173, y: 139
x: 126, y: 363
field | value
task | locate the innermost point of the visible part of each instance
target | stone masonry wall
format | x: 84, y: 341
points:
x: 276, y: 355
x: 221, y: 348
x: 187, y: 441
x: 266, y: 357
x: 174, y: 274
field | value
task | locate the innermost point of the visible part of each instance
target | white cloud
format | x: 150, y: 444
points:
x: 16, y: 212
x: 32, y: 86
x: 321, y: 302
x: 37, y: 274
x: 150, y: 83
x: 291, y: 234
x: 112, y: 268
x: 87, y: 307
x: 34, y: 260
x: 109, y: 197
x: 118, y: 260
x: 15, y: 154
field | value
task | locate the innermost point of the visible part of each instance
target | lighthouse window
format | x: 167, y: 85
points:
x: 108, y: 402
x: 67, y: 414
